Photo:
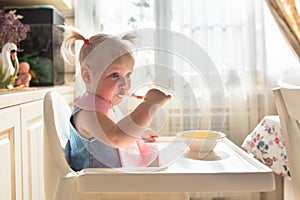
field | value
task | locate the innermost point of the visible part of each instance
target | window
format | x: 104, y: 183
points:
x: 232, y: 34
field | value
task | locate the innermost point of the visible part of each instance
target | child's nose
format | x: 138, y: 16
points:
x: 123, y: 83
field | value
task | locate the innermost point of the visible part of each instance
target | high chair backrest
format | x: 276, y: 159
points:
x: 56, y: 133
x: 287, y: 102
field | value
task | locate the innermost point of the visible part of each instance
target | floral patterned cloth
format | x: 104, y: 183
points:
x: 267, y: 145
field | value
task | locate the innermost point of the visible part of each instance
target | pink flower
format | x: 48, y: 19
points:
x: 281, y: 174
x: 277, y: 140
x: 268, y: 162
x: 257, y: 136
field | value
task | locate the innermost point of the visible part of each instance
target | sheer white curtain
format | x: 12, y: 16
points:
x: 282, y: 63
x: 232, y: 32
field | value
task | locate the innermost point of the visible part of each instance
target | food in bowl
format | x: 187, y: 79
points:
x: 201, y: 140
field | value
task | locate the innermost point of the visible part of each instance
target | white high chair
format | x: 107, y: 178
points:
x: 287, y: 100
x: 61, y: 182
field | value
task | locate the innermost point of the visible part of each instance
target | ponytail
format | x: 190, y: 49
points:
x: 67, y: 47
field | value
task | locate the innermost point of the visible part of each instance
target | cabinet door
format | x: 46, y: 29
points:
x: 32, y: 150
x: 10, y: 154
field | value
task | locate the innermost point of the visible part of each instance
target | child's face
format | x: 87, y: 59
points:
x: 115, y: 81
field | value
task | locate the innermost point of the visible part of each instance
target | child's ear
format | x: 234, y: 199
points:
x: 86, y: 74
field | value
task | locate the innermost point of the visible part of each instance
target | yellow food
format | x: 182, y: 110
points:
x: 200, y: 135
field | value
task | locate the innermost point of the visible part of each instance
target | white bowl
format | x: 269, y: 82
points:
x: 202, y: 141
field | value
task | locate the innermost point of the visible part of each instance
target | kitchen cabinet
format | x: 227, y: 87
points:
x: 32, y: 149
x: 10, y: 154
x: 21, y: 142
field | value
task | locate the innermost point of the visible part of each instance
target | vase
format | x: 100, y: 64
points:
x: 9, y: 65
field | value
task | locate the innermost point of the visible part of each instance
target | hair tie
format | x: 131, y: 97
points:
x: 86, y: 41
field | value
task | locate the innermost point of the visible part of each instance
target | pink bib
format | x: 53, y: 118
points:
x: 91, y: 102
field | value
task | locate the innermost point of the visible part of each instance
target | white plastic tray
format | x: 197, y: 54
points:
x: 227, y: 168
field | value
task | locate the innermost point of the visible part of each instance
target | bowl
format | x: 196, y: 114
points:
x: 202, y: 141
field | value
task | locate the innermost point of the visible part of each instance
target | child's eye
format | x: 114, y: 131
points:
x: 128, y: 75
x: 114, y: 75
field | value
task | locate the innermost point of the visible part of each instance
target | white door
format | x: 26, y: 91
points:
x: 32, y: 150
x: 10, y: 154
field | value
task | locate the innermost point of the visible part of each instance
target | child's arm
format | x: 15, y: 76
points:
x: 100, y: 126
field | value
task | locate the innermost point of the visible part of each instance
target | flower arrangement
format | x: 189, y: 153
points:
x: 11, y: 28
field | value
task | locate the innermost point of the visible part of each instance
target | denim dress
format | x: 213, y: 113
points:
x: 84, y: 153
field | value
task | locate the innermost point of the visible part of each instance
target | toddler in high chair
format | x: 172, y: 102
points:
x: 96, y: 138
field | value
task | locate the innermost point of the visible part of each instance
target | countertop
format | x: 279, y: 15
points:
x: 12, y: 98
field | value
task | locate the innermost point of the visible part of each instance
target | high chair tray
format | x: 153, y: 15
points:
x: 227, y: 169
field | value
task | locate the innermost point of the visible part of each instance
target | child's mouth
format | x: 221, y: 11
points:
x: 121, y: 96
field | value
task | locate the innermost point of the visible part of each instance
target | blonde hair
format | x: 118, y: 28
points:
x: 90, y: 45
